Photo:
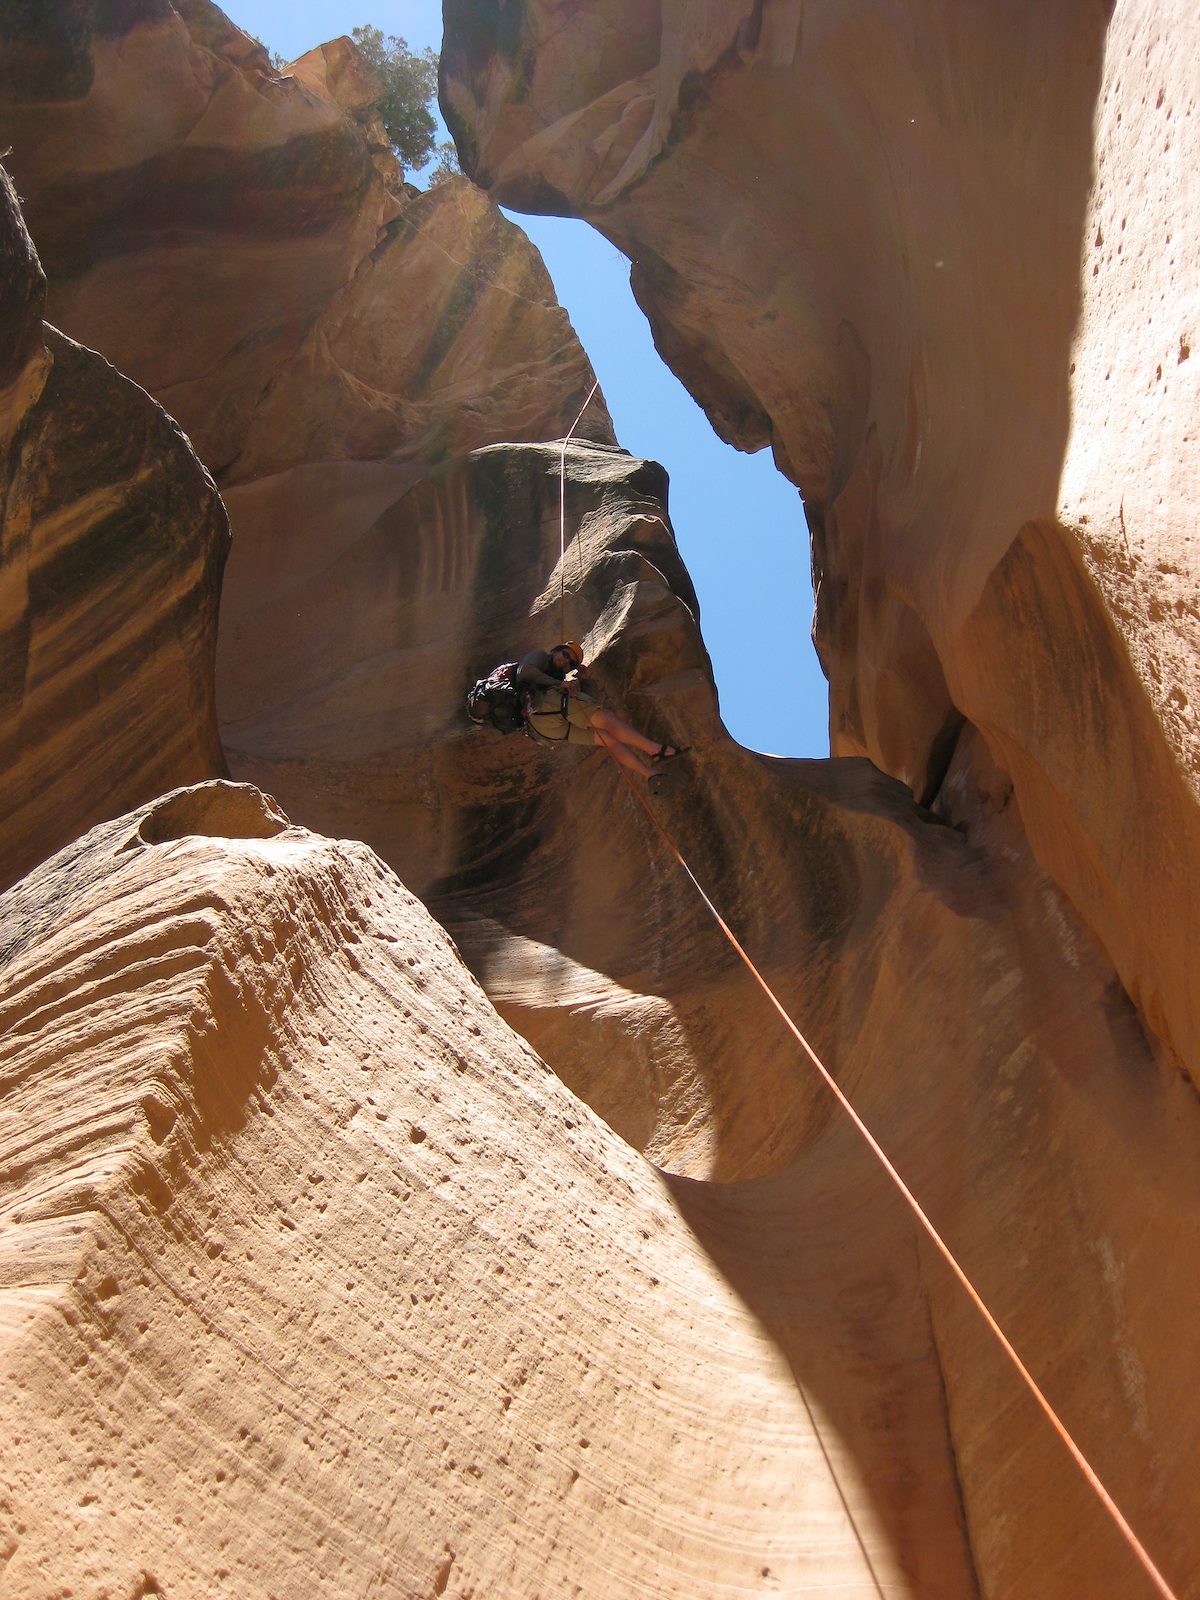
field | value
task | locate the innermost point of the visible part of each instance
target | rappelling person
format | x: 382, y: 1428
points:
x: 556, y: 709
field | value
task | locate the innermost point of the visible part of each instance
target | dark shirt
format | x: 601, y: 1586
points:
x: 537, y: 669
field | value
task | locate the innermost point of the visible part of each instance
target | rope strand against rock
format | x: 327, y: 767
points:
x: 562, y: 518
x: 1160, y: 1584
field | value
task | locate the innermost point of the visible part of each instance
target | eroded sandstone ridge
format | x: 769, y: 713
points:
x: 315, y: 1280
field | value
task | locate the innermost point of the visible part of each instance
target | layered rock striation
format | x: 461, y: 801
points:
x: 274, y: 1166
x: 941, y: 265
x: 317, y: 1281
x: 329, y: 337
x: 400, y: 1305
x: 111, y: 554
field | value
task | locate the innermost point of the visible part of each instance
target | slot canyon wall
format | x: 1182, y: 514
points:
x: 944, y: 269
x: 341, y: 1258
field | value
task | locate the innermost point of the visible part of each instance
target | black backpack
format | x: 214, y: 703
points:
x: 498, y: 700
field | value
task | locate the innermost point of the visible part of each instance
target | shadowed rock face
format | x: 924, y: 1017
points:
x: 953, y: 286
x: 409, y: 1315
x: 328, y: 336
x: 113, y: 544
x: 154, y: 137
x: 270, y: 1161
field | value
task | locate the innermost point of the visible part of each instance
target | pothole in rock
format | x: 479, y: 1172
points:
x: 219, y: 810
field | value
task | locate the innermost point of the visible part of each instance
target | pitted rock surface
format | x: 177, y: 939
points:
x: 315, y: 1279
x: 399, y: 1309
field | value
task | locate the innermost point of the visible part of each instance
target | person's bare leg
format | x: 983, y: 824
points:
x: 607, y: 722
x: 621, y: 752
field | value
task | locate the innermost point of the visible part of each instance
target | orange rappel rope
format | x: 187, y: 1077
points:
x: 1081, y: 1461
x: 1106, y: 1500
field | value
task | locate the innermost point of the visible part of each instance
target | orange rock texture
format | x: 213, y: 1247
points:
x: 111, y: 551
x: 943, y: 266
x: 351, y: 314
x: 329, y: 337
x: 316, y: 1279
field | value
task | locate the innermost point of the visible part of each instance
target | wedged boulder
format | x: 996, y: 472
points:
x: 955, y: 290
x: 113, y: 543
x: 353, y: 711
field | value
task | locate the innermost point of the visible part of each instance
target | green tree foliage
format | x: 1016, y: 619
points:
x: 446, y: 165
x: 410, y: 83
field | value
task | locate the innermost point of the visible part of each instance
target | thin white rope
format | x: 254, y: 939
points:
x: 562, y: 516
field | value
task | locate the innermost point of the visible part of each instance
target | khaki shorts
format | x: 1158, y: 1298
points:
x: 548, y: 722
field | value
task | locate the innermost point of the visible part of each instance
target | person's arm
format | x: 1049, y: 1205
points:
x: 532, y: 670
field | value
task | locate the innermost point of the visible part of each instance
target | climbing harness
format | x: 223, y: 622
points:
x: 549, y: 711
x: 499, y: 700
x: 943, y: 1249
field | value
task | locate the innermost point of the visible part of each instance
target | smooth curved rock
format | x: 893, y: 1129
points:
x: 255, y: 1111
x: 229, y: 1094
x: 955, y: 290
x: 235, y: 247
x: 113, y: 544
x: 971, y: 1018
x: 130, y: 210
x: 328, y: 336
x: 316, y: 1280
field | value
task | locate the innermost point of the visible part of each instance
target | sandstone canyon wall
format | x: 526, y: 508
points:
x: 113, y: 542
x: 316, y: 1279
x: 943, y: 264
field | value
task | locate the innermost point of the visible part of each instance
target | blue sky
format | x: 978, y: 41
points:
x: 738, y: 521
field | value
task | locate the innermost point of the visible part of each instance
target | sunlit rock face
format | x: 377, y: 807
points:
x: 111, y: 553
x: 230, y: 240
x: 151, y: 140
x: 316, y: 1281
x: 397, y: 1305
x: 398, y: 1310
x: 944, y: 267
x: 972, y: 1018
